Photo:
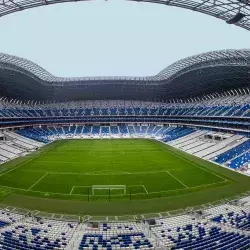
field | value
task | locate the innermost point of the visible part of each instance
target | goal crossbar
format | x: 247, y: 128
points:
x: 108, y: 187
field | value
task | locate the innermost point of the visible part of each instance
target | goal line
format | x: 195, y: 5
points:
x: 108, y: 187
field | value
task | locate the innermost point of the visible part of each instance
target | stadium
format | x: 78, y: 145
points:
x: 155, y: 162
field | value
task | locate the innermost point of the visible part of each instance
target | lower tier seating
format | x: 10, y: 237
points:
x: 115, y: 236
x: 42, y: 235
x: 222, y: 227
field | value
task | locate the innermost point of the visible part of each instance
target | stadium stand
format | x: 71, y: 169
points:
x: 45, y: 234
x: 195, y: 118
x: 184, y: 232
x: 234, y: 152
x: 231, y: 151
x: 219, y: 107
x: 201, y: 143
x: 13, y: 145
x: 240, y: 161
x: 115, y: 236
x: 220, y: 227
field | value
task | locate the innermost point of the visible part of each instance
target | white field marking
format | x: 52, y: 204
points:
x: 18, y: 166
x: 145, y: 189
x: 150, y: 172
x: 178, y: 189
x: 139, y: 186
x: 193, y: 163
x: 89, y: 187
x: 22, y: 189
x: 84, y: 186
x: 109, y: 172
x: 31, y: 159
x: 37, y: 181
x: 177, y: 179
x: 72, y: 190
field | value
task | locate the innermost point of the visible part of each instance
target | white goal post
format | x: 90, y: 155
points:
x: 108, y: 187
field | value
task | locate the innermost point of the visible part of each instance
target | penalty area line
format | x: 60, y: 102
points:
x: 145, y: 189
x: 37, y: 181
x: 72, y: 190
x: 193, y: 163
x: 177, y: 179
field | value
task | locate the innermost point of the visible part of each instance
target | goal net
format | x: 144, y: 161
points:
x: 119, y: 189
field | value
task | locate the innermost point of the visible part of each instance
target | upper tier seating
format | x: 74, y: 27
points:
x: 230, y: 106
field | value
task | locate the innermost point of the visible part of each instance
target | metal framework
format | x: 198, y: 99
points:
x: 195, y: 76
x: 222, y: 9
x: 214, y: 59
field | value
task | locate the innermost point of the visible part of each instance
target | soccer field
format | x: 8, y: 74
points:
x: 127, y: 169
x: 139, y: 167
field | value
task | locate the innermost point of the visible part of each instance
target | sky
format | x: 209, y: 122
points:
x: 113, y: 38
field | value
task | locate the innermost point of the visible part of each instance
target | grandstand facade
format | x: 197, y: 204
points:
x: 209, y: 92
x: 199, y: 105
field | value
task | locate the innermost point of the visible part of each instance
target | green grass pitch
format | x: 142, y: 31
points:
x: 68, y: 169
x: 74, y: 166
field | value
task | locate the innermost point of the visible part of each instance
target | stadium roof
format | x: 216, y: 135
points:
x: 233, y: 11
x: 195, y: 76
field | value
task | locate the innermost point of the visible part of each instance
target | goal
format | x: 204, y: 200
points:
x: 108, y: 187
